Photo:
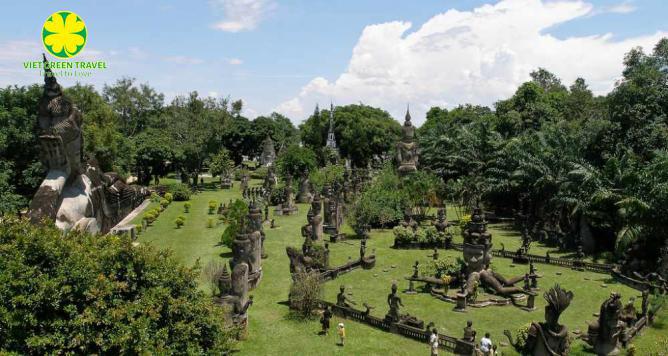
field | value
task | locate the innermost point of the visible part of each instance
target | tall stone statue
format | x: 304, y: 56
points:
x: 268, y: 152
x: 407, y: 152
x: 394, y: 302
x: 247, y: 249
x: 237, y: 297
x: 478, y: 255
x: 75, y: 194
x: 548, y: 338
x: 304, y: 195
x: 604, y: 334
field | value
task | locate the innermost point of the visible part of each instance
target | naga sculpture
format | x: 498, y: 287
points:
x: 548, y: 338
x: 75, y: 194
x: 604, y: 334
x: 478, y: 255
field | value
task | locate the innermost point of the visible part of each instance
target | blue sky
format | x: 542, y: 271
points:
x: 288, y: 55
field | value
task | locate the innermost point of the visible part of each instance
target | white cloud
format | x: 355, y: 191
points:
x: 622, y: 8
x: 184, y: 60
x: 234, y: 61
x: 241, y: 15
x: 458, y: 57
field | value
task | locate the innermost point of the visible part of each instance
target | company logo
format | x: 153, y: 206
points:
x: 64, y: 34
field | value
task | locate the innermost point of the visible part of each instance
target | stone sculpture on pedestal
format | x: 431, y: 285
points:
x: 75, y: 194
x: 407, y: 152
x: 268, y: 152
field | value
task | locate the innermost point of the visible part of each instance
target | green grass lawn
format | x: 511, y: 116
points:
x: 273, y: 332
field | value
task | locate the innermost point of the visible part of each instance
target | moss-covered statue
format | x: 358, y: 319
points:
x: 548, y: 338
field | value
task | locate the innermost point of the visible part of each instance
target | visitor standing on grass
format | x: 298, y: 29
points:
x: 486, y: 345
x: 433, y: 342
x: 342, y: 334
x: 326, y: 316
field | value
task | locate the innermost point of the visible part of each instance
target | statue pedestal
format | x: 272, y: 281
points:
x: 531, y: 300
x: 411, y: 287
x: 461, y: 303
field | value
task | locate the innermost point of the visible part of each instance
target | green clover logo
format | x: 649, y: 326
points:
x: 64, y: 34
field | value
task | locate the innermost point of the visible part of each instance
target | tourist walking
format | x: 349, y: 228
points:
x: 342, y: 334
x: 433, y: 342
x: 486, y: 345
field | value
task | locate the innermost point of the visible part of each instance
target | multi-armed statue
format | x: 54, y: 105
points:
x: 407, y: 151
x: 75, y: 194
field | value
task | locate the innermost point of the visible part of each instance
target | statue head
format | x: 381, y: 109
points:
x: 394, y: 288
x: 558, y: 300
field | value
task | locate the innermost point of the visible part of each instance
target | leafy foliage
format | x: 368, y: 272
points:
x: 88, y: 294
x: 305, y: 292
x: 234, y: 219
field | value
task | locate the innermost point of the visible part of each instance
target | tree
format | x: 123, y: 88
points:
x: 221, y: 164
x: 135, y: 105
x: 80, y: 293
x: 362, y: 132
x: 294, y: 161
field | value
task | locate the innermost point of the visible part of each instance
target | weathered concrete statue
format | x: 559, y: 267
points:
x: 394, y: 302
x: 268, y: 152
x: 478, y: 255
x: 75, y: 194
x: 237, y: 296
x: 548, y: 338
x: 604, y: 334
x: 254, y: 218
x: 407, y: 152
x: 247, y: 249
x: 304, y: 195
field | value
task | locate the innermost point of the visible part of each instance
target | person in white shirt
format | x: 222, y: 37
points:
x: 486, y: 344
x: 433, y: 342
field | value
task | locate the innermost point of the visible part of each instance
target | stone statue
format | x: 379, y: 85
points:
x: 408, y: 221
x: 604, y: 334
x: 75, y: 194
x: 469, y: 332
x: 477, y: 255
x: 407, y: 152
x: 238, y: 297
x: 441, y: 224
x: 268, y: 152
x: 254, y: 224
x: 247, y: 248
x: 342, y: 300
x: 394, y: 302
x: 288, y: 198
x: 549, y: 338
x: 362, y: 249
x: 304, y: 195
x: 316, y: 223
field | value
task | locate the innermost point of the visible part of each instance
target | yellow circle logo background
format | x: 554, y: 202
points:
x: 64, y: 34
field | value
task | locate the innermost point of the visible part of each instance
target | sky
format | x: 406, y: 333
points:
x: 289, y: 55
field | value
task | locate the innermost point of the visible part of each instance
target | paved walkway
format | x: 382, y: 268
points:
x: 126, y: 220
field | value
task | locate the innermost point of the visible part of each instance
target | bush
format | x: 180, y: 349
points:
x: 403, y: 235
x: 180, y: 191
x: 164, y: 203
x: 306, y: 292
x: 169, y: 197
x: 259, y: 173
x: 179, y: 221
x: 444, y: 266
x: 381, y: 204
x: 186, y: 207
x: 233, y: 217
x: 209, y: 223
x: 213, y: 205
x: 155, y: 197
x: 212, y: 273
x: 149, y: 217
x: 138, y: 228
x: 82, y: 294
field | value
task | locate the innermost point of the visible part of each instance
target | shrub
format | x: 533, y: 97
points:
x: 305, y: 293
x: 209, y: 223
x: 150, y: 217
x: 444, y: 266
x: 138, y: 228
x: 186, y: 207
x: 180, y: 191
x: 169, y: 197
x: 259, y: 173
x: 464, y: 221
x: 164, y: 203
x: 381, y: 204
x: 327, y: 175
x: 155, y: 197
x: 212, y: 273
x: 179, y: 221
x: 233, y: 217
x: 61, y: 295
x: 403, y: 235
x: 213, y: 205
